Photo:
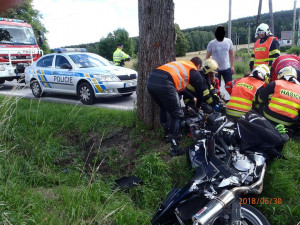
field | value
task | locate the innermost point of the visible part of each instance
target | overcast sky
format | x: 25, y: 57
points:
x: 72, y: 22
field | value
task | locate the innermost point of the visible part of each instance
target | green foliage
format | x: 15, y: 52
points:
x: 108, y: 45
x: 242, y: 59
x: 285, y: 48
x: 182, y: 44
x: 25, y: 11
x: 294, y: 50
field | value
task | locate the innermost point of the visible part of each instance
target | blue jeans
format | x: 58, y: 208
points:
x: 227, y: 75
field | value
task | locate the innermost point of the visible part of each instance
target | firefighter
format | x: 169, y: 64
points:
x: 245, y: 92
x: 282, y: 98
x: 229, y: 85
x: 119, y: 56
x: 164, y: 84
x: 210, y: 97
x: 266, y: 48
x: 283, y: 61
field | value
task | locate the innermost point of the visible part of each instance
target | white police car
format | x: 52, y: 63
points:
x: 74, y: 71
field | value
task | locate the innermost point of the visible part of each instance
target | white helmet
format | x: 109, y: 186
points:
x: 261, y: 72
x: 263, y: 28
x: 288, y: 73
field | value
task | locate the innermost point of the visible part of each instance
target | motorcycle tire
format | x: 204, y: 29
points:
x: 251, y: 216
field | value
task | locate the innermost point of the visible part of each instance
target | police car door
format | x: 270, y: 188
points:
x: 63, y: 75
x: 43, y: 72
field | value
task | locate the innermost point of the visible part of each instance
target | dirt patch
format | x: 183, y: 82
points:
x: 114, y: 154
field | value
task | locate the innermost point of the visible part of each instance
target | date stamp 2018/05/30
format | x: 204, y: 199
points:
x: 263, y: 200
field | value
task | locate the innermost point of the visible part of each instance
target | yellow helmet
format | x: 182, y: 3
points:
x: 261, y: 72
x: 287, y: 73
x: 209, y: 65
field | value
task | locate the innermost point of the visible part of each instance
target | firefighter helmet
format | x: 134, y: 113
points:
x: 261, y: 72
x: 209, y: 65
x: 287, y: 73
x: 264, y: 28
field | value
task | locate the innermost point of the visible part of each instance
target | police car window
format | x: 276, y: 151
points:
x: 88, y: 60
x: 59, y: 60
x: 45, y: 61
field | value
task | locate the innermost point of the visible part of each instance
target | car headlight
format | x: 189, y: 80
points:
x: 100, y: 77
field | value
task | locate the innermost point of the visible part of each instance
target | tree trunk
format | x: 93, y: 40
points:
x: 258, y: 13
x: 156, y: 47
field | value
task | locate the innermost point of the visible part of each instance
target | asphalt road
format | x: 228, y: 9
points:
x: 12, y: 88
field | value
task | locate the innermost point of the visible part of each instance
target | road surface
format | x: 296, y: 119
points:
x: 12, y: 88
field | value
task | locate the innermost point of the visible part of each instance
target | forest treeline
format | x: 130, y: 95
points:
x: 197, y: 38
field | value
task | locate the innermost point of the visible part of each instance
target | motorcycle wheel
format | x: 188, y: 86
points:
x: 250, y: 215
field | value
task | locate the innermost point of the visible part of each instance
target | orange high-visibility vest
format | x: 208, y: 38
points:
x: 286, y: 99
x: 261, y: 52
x: 180, y: 72
x: 242, y: 97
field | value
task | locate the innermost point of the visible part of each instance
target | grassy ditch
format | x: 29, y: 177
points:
x: 58, y: 164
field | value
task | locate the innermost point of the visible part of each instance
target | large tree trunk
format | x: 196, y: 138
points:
x: 156, y: 47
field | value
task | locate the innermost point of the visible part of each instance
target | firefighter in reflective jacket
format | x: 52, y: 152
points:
x: 282, y: 98
x: 266, y: 48
x: 210, y: 96
x: 245, y: 92
x: 119, y: 56
x: 164, y: 84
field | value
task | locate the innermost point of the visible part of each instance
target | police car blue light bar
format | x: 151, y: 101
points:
x: 12, y: 20
x: 61, y: 50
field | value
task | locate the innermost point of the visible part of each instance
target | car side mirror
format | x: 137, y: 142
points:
x: 65, y: 66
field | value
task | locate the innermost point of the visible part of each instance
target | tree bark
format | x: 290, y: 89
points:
x: 156, y: 47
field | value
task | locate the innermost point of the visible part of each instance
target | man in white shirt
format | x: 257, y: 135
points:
x: 221, y: 50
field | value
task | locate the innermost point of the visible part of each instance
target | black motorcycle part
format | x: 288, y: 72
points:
x: 189, y: 207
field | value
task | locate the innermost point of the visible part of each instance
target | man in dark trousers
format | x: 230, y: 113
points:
x: 164, y: 84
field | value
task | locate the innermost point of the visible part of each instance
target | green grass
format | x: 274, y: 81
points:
x: 58, y: 164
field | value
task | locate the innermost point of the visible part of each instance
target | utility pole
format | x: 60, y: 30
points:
x: 229, y: 21
x: 271, y: 16
x: 248, y: 24
x: 294, y: 24
x: 258, y: 13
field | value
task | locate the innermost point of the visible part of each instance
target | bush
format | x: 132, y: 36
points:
x: 294, y: 50
x: 285, y: 48
x: 241, y: 67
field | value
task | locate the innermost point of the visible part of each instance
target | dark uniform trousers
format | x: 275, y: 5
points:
x: 162, y: 89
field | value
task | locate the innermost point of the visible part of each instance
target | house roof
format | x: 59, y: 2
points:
x: 286, y: 35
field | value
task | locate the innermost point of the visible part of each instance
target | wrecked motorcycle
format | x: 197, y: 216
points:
x: 224, y: 175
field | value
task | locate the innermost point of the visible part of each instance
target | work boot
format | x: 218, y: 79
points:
x: 168, y: 137
x: 175, y: 150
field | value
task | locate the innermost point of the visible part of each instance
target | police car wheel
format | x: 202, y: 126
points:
x: 36, y: 89
x: 86, y: 93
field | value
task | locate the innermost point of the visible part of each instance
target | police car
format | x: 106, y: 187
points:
x: 75, y: 71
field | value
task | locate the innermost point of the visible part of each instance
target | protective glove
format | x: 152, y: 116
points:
x: 281, y: 128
